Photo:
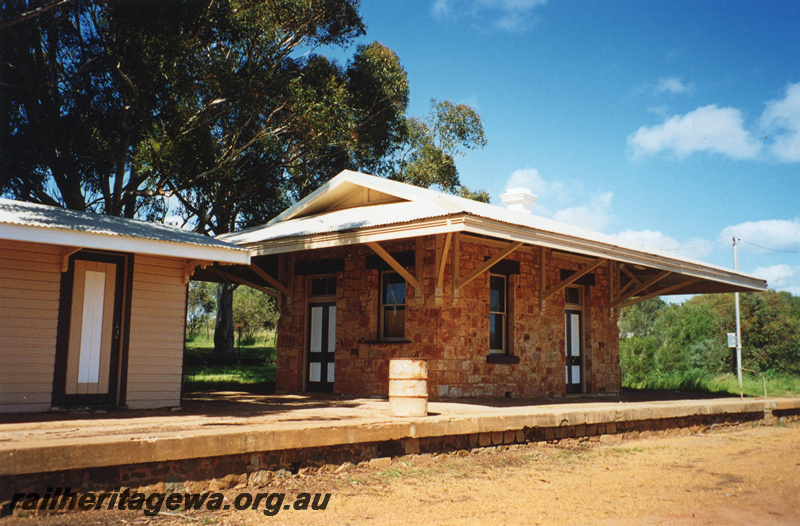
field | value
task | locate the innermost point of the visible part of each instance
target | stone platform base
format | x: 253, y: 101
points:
x: 202, y: 461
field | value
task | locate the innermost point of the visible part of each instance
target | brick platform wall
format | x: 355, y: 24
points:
x: 452, y: 333
x: 259, y: 469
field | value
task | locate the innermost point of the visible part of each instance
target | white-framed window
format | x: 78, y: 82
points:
x: 498, y: 314
x: 393, y: 306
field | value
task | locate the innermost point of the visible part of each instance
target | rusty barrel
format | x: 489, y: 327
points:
x: 408, y: 387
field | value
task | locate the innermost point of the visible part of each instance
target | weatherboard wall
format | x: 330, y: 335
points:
x: 30, y: 281
x: 30, y: 288
x: 155, y: 349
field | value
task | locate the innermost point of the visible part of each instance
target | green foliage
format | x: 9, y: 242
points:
x: 639, y: 319
x: 693, y: 381
x: 253, y: 312
x: 200, y: 306
x: 685, y: 346
x: 224, y: 106
x: 431, y: 145
x: 637, y: 357
x: 251, y: 370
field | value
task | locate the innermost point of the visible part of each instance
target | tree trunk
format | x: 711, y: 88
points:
x: 223, y: 332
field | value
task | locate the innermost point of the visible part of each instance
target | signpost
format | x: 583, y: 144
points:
x: 738, y: 324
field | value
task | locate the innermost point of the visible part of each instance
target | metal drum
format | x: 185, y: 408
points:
x: 408, y: 387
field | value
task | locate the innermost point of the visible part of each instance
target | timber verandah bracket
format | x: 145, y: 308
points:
x: 255, y: 269
x: 636, y: 290
x: 451, y: 239
x: 65, y: 254
x: 397, y: 267
x: 489, y: 263
x: 189, y: 268
x: 546, y: 293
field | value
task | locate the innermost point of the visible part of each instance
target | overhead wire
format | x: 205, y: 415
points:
x: 770, y: 248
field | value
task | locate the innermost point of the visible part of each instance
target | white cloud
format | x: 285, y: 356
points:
x: 763, y: 236
x: 649, y: 238
x: 782, y: 118
x: 531, y: 179
x: 506, y: 15
x: 595, y: 215
x: 442, y: 9
x: 694, y: 248
x: 781, y: 277
x: 777, y: 276
x: 672, y: 85
x: 705, y: 129
x: 511, y: 5
x: 594, y: 212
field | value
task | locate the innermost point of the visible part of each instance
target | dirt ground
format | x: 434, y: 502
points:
x: 746, y: 474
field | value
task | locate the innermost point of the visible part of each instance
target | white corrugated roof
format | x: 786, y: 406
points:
x: 46, y: 224
x: 340, y: 221
x: 318, y: 214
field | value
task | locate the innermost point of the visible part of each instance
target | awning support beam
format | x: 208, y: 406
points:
x: 666, y: 290
x: 395, y: 265
x: 643, y: 287
x: 261, y: 273
x: 576, y: 276
x: 441, y: 261
x: 241, y: 281
x: 488, y: 264
x: 188, y: 269
x: 65, y: 254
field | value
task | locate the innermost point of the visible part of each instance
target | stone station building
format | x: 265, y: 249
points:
x: 501, y: 303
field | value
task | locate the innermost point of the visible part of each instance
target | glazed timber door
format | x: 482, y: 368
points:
x: 88, y: 366
x: 321, y: 347
x: 573, y: 352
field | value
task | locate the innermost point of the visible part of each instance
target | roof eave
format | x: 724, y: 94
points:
x: 119, y: 242
x: 464, y: 222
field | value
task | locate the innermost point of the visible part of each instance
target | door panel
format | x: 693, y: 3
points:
x: 90, y: 354
x: 91, y: 328
x: 573, y: 352
x: 316, y: 329
x: 321, y: 347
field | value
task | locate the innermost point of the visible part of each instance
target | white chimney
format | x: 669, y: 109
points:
x: 519, y: 199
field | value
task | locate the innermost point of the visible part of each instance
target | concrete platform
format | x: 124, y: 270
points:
x: 221, y: 425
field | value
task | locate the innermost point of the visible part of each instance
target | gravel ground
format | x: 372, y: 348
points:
x: 746, y: 474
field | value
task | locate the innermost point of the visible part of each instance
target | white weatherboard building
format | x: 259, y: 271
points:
x: 93, y: 307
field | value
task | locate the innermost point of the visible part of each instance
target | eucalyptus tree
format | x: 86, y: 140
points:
x: 226, y: 110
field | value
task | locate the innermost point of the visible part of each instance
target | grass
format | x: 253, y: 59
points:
x: 694, y: 381
x: 250, y: 369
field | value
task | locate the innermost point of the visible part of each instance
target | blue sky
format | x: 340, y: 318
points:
x: 672, y: 124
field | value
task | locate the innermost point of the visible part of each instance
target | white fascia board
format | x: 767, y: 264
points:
x: 119, y: 243
x: 371, y: 235
x: 613, y: 252
x: 501, y: 230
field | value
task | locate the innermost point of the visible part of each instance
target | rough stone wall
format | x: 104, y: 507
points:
x: 289, y: 360
x: 452, y: 333
x: 259, y: 469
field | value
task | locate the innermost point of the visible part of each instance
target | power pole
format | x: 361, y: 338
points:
x: 738, y: 323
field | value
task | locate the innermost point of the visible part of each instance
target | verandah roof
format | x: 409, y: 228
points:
x: 21, y: 221
x: 355, y: 208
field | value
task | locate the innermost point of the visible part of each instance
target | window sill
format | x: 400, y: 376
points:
x: 501, y: 358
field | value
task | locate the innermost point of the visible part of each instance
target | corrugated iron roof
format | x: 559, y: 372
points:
x: 30, y: 215
x: 416, y: 204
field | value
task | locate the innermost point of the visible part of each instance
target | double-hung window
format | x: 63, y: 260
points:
x: 393, y: 306
x: 498, y: 314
